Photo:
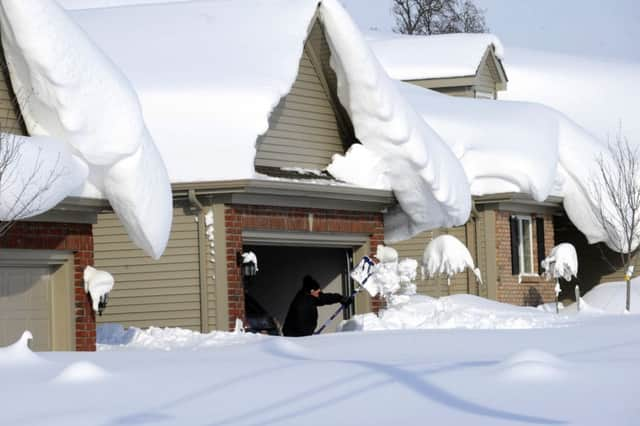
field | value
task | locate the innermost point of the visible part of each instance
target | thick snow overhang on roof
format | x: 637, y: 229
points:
x: 70, y: 92
x: 208, y: 89
x: 416, y: 57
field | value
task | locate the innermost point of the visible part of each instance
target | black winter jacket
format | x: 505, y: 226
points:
x: 302, y: 317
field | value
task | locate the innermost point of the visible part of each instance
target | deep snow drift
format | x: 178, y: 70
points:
x: 69, y: 90
x: 582, y: 374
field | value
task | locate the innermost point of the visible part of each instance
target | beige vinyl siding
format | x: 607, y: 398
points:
x: 303, y: 130
x: 147, y: 292
x: 10, y: 121
x: 485, y: 80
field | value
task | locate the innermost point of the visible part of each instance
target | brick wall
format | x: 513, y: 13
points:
x: 532, y: 290
x: 63, y: 236
x: 248, y: 217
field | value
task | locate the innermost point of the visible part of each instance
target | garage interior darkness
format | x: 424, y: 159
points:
x: 281, y: 270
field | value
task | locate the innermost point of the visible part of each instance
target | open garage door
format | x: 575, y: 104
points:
x: 282, y: 268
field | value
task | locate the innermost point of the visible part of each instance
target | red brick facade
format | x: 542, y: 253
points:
x: 63, y: 236
x: 248, y: 217
x: 531, y: 290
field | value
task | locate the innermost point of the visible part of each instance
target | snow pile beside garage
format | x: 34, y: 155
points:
x: 412, y: 57
x: 116, y: 337
x: 457, y: 311
x: 70, y: 91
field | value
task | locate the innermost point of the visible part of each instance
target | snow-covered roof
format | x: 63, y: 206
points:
x: 208, y: 86
x: 70, y: 91
x: 204, y: 87
x: 598, y: 94
x: 416, y: 57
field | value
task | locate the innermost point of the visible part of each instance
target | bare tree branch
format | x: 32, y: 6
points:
x: 438, y: 17
x: 615, y: 187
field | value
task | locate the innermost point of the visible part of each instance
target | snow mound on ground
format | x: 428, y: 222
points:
x: 532, y: 365
x: 115, y: 337
x: 81, y: 372
x: 42, y: 173
x: 440, y: 56
x: 85, y: 101
x: 426, y: 178
x: 609, y: 298
x: 18, y: 353
x: 446, y: 255
x: 562, y: 262
x: 457, y: 311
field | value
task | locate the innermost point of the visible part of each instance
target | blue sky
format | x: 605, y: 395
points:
x: 602, y: 28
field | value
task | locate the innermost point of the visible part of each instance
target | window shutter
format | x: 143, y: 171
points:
x: 515, y: 244
x: 540, y: 240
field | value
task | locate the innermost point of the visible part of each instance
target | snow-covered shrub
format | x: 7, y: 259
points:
x: 446, y: 255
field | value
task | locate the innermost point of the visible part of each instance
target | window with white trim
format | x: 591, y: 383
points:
x: 522, y: 245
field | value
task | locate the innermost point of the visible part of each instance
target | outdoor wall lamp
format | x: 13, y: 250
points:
x: 248, y: 263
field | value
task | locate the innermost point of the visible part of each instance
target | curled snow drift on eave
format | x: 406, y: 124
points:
x: 72, y: 92
x: 415, y: 57
x: 35, y: 174
x: 208, y: 87
x: 507, y: 146
x: 428, y: 181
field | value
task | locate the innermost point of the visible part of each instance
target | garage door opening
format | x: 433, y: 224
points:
x: 281, y: 270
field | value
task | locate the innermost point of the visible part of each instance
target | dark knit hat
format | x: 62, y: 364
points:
x: 309, y: 283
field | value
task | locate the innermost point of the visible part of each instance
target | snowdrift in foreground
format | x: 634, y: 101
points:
x: 72, y: 92
x: 457, y: 311
x: 428, y: 181
x: 42, y: 172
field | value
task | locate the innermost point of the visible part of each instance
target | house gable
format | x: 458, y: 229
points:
x: 488, y: 80
x: 308, y: 126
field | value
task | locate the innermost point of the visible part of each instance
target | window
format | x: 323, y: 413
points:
x: 522, y: 245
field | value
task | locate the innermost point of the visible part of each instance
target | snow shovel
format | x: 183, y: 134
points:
x: 366, y: 266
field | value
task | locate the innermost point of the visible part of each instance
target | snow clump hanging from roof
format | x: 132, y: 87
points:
x: 72, y: 92
x: 427, y: 179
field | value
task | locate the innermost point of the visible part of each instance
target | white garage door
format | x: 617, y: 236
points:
x: 25, y: 304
